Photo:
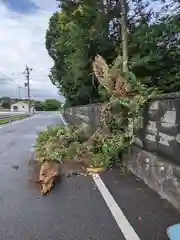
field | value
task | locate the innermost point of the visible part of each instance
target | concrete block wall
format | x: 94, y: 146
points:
x: 158, y: 173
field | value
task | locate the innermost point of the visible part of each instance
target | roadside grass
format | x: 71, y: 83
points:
x: 12, y: 119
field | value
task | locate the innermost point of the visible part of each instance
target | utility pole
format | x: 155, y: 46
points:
x: 19, y: 92
x: 27, y: 75
x: 124, y: 35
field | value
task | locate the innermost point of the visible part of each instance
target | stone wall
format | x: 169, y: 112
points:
x: 155, y: 156
x: 160, y: 128
x: 87, y: 114
x: 159, y: 174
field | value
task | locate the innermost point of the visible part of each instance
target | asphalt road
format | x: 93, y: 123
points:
x: 75, y: 209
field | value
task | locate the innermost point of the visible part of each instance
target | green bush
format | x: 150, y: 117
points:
x: 60, y: 143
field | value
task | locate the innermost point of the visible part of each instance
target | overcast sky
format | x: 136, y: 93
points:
x: 23, y: 24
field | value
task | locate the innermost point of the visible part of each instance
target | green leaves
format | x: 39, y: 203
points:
x: 86, y: 28
x: 51, y: 105
x: 74, y: 37
x: 154, y: 53
x: 120, y: 120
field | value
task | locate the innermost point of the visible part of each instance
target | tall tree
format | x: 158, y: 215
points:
x: 73, y: 40
x: 5, y: 102
x: 85, y: 28
x: 51, y: 105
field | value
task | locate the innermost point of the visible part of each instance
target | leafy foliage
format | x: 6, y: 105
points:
x: 156, y: 54
x: 5, y: 102
x: 73, y: 40
x: 38, y: 105
x: 47, y: 105
x: 51, y: 105
x: 120, y: 119
x: 60, y: 143
x: 80, y: 31
x: 84, y: 28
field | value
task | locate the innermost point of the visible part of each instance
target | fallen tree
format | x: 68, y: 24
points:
x: 119, y: 121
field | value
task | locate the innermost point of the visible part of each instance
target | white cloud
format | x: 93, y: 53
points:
x: 47, y: 5
x: 22, y: 41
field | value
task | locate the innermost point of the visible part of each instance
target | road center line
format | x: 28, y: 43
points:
x: 122, y: 222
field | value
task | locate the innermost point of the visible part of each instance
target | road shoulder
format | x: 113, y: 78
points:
x: 147, y: 213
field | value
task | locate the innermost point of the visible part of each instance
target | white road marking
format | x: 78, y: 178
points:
x: 122, y: 222
x: 63, y: 120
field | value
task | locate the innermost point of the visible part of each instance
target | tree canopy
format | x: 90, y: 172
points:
x: 51, y: 105
x: 5, y: 102
x: 85, y: 28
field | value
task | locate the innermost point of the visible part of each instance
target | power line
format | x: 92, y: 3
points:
x: 6, y: 77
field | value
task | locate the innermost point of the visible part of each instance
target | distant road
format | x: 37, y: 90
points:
x: 9, y: 114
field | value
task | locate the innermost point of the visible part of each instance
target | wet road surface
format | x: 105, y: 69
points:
x: 75, y: 209
x: 147, y: 213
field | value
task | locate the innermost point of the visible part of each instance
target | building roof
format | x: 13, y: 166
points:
x: 20, y: 102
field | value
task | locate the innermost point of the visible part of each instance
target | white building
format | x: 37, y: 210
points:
x: 21, y: 107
